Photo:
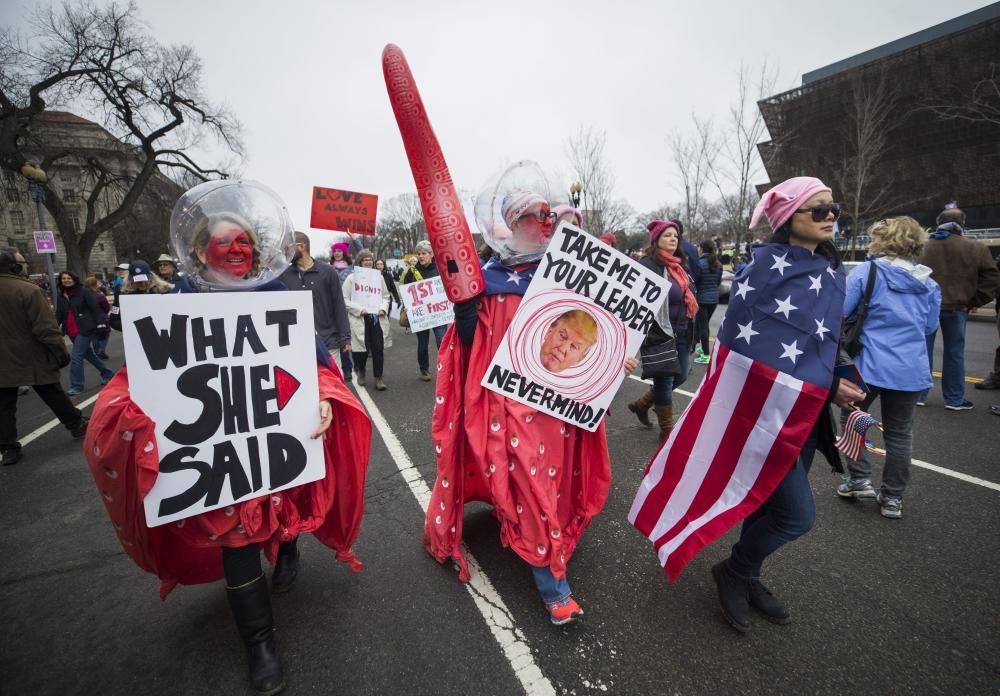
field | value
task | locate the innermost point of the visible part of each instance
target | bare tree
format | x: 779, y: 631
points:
x: 864, y: 183
x: 101, y: 59
x: 617, y: 215
x: 694, y: 158
x: 982, y: 105
x: 585, y: 153
x: 738, y: 163
x: 400, y: 226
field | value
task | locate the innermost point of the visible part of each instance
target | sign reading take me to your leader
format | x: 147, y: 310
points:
x: 588, y: 308
x: 234, y: 393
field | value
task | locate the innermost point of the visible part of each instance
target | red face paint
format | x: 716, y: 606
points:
x: 229, y: 252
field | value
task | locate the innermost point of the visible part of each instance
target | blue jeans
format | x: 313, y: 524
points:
x: 952, y: 356
x: 552, y: 590
x: 663, y: 387
x: 83, y: 349
x: 101, y: 343
x: 897, y: 421
x: 786, y: 515
x: 423, y: 342
x: 347, y: 364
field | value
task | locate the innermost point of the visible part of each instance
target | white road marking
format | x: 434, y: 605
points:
x: 38, y: 432
x: 916, y: 462
x: 499, y: 619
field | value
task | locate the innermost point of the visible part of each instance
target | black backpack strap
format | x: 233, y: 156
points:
x: 863, y: 310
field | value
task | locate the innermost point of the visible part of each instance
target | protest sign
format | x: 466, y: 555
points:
x: 45, y: 242
x: 366, y: 291
x: 426, y: 304
x: 233, y: 391
x: 343, y: 211
x: 588, y: 308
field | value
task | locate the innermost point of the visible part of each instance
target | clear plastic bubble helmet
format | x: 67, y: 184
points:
x: 231, y: 235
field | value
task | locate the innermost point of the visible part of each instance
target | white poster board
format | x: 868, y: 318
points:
x: 230, y: 380
x: 588, y: 307
x: 367, y: 289
x: 427, y: 304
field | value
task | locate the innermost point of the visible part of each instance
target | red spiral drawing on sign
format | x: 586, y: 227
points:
x: 588, y: 379
x: 451, y: 239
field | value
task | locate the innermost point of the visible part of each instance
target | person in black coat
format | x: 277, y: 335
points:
x: 80, y: 316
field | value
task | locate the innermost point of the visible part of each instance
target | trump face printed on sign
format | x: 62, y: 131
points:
x: 567, y: 341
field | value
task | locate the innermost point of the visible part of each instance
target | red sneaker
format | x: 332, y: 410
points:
x: 564, y: 612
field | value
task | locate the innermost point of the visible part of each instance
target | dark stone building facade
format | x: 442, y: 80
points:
x: 926, y: 161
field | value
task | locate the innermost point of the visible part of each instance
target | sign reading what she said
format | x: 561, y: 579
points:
x: 588, y: 307
x: 233, y: 390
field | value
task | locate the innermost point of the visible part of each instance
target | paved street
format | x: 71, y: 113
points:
x: 880, y: 606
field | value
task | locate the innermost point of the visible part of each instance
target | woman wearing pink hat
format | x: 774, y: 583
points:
x: 801, y: 213
x: 666, y: 257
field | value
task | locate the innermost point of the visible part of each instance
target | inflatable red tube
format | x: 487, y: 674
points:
x: 450, y: 236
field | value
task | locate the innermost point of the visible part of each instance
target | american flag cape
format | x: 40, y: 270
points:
x: 855, y: 429
x: 767, y: 381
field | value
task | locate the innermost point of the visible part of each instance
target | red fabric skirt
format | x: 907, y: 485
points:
x: 120, y: 447
x: 546, y: 479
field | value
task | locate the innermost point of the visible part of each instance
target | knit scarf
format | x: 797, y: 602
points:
x: 946, y: 230
x: 680, y: 276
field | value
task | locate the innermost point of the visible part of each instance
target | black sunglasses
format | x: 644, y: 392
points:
x: 819, y: 212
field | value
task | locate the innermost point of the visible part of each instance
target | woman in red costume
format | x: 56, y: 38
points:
x: 223, y: 252
x: 545, y: 478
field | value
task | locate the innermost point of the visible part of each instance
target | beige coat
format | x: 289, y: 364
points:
x: 356, y: 316
x: 30, y: 341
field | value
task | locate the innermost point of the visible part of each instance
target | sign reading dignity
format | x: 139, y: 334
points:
x: 234, y: 393
x: 343, y: 211
x: 588, y: 307
x: 427, y: 304
x: 367, y: 289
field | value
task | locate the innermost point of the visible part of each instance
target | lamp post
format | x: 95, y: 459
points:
x: 574, y: 193
x: 36, y: 189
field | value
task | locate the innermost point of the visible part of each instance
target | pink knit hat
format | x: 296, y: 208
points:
x: 564, y: 209
x: 343, y: 246
x: 780, y: 202
x: 657, y: 227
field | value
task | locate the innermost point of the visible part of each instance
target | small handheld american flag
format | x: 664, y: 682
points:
x: 855, y: 429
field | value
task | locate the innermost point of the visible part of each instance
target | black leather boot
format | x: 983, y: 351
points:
x: 286, y: 569
x: 251, y: 605
x: 734, y: 596
x: 767, y: 604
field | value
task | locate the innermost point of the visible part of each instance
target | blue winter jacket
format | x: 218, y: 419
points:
x: 904, y: 309
x: 708, y: 282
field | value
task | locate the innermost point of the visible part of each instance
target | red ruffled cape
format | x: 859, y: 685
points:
x: 120, y: 447
x: 546, y: 479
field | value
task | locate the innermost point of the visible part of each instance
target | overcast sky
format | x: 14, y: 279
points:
x: 503, y: 80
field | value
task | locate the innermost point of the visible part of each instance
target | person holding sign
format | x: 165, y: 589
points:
x: 233, y: 445
x: 424, y: 268
x: 367, y: 300
x: 545, y: 478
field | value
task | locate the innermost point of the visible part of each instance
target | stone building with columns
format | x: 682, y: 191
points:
x: 71, y: 179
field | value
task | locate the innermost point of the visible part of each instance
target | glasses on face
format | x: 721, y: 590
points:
x: 540, y: 217
x: 820, y: 212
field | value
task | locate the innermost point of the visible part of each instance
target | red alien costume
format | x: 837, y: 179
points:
x: 121, y: 451
x: 546, y: 479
